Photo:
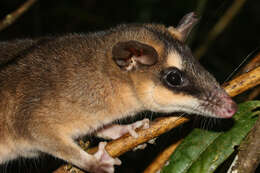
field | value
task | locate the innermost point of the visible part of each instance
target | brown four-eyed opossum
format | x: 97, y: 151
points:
x: 55, y: 89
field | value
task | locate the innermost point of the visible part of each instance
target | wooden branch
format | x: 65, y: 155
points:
x: 219, y: 27
x: 243, y: 82
x: 126, y: 143
x: 162, y: 125
x: 12, y: 17
x: 255, y: 62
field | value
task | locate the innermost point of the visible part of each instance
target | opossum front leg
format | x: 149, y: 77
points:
x: 115, y: 131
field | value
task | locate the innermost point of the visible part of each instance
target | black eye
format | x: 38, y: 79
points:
x: 173, y: 77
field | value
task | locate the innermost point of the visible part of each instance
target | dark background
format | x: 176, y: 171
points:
x: 52, y: 17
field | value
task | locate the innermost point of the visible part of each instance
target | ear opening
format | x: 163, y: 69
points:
x: 132, y: 54
x: 181, y: 32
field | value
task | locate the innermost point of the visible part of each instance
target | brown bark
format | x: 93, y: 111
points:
x: 125, y: 143
x: 255, y: 62
x: 243, y: 82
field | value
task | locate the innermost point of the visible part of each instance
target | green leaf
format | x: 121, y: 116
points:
x: 203, y: 151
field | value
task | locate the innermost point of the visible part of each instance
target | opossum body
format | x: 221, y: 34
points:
x: 56, y: 89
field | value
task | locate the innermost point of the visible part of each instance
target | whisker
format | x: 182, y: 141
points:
x: 244, y: 60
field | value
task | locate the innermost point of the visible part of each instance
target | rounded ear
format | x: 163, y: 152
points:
x: 181, y: 32
x: 132, y: 54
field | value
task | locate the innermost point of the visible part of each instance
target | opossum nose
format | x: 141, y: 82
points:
x: 232, y: 109
x: 229, y: 107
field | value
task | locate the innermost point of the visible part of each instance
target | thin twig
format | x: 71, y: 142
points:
x: 252, y: 64
x: 219, y: 27
x: 13, y: 16
x: 255, y: 62
x: 159, y: 126
x: 243, y: 82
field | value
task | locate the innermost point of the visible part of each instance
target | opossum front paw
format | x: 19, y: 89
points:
x: 115, y: 131
x: 105, y: 163
x: 142, y: 123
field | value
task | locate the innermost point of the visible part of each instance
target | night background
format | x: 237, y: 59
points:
x: 56, y: 17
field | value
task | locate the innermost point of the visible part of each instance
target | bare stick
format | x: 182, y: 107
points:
x: 159, y: 126
x: 243, y: 82
x: 219, y: 27
x: 252, y: 64
x: 255, y: 62
x: 11, y: 18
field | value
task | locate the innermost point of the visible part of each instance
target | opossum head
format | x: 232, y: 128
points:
x: 165, y: 75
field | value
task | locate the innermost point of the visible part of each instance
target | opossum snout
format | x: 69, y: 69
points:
x: 227, y: 107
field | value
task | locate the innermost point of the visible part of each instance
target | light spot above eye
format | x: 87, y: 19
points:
x: 174, y: 60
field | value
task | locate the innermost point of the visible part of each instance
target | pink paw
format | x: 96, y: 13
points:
x: 105, y: 163
x: 115, y: 131
x: 132, y: 127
